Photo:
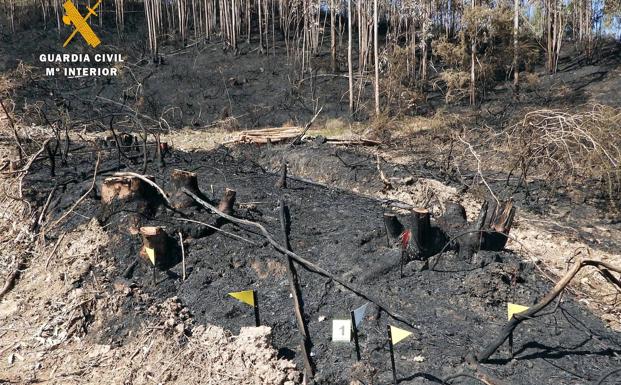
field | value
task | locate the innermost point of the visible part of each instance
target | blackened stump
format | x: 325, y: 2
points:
x: 227, y: 201
x: 157, y: 243
x: 184, y: 179
x: 394, y: 228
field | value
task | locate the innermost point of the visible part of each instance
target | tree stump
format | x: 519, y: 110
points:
x: 124, y: 188
x: 158, y: 248
x: 128, y: 194
x: 189, y: 180
x: 499, y: 223
x: 227, y: 201
x: 394, y: 228
x: 421, y: 238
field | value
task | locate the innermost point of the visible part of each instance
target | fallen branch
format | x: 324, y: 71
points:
x: 217, y: 229
x: 518, y: 318
x: 302, y: 261
x: 12, y: 278
x: 27, y: 167
x: 308, y: 125
x: 15, y: 135
x: 65, y: 215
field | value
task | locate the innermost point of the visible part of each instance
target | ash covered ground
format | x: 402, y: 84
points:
x: 453, y: 309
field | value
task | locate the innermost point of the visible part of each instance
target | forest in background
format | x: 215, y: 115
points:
x: 404, y: 49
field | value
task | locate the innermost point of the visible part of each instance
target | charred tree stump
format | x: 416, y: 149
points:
x: 394, y: 228
x: 499, y: 224
x: 158, y: 248
x: 420, y: 230
x: 129, y: 194
x: 227, y: 201
x: 195, y: 229
x: 184, y: 179
x: 122, y: 188
x: 421, y: 238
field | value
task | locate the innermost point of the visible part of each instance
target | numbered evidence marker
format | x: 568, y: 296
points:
x: 357, y: 315
x: 341, y: 330
x: 249, y: 297
x: 511, y: 310
x: 395, y: 335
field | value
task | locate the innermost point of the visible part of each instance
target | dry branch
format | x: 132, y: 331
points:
x: 82, y: 197
x: 18, y: 142
x: 510, y: 326
x: 12, y: 278
x: 296, y: 292
x: 147, y: 181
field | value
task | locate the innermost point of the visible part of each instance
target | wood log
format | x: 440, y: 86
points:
x: 157, y: 243
x: 184, y: 179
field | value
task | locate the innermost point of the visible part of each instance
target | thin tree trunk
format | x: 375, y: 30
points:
x: 333, y: 34
x: 516, y: 27
x: 473, y: 52
x: 376, y: 54
x: 349, y: 59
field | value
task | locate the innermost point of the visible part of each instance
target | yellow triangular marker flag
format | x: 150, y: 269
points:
x: 246, y: 296
x: 515, y: 309
x: 398, y: 334
x: 150, y: 254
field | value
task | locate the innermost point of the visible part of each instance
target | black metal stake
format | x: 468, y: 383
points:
x: 257, y: 321
x: 511, y: 345
x: 154, y: 277
x: 392, y: 356
x: 354, y: 329
x: 401, y: 263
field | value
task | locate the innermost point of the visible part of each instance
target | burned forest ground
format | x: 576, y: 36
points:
x: 453, y: 309
x: 84, y: 311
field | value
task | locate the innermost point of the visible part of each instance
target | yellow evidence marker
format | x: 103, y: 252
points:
x: 246, y: 296
x: 151, y: 254
x: 397, y: 335
x: 514, y: 309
